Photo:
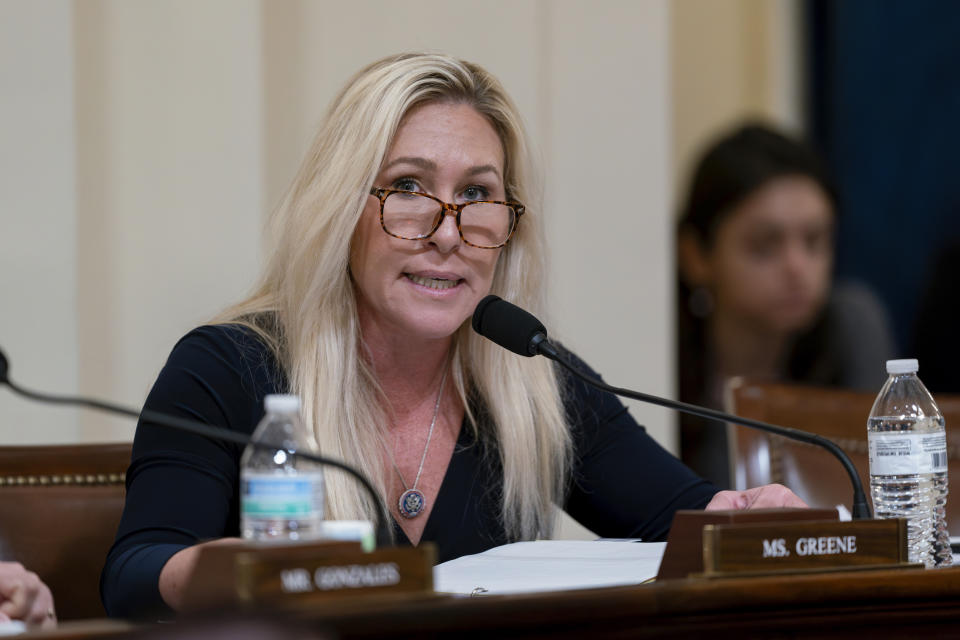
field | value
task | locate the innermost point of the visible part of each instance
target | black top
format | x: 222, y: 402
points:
x: 183, y: 488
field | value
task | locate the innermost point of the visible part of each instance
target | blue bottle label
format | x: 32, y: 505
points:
x: 277, y: 496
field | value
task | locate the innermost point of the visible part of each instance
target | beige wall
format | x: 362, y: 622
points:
x: 38, y: 226
x: 162, y: 132
x: 170, y: 198
x: 732, y: 59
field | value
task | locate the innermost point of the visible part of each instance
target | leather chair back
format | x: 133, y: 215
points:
x: 811, y: 472
x: 59, y: 510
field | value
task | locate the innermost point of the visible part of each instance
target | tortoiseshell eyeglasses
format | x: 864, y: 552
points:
x: 411, y: 215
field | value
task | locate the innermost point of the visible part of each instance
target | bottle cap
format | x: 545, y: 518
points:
x: 902, y: 366
x: 282, y: 403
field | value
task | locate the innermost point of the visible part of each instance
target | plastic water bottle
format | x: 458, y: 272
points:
x: 908, y: 462
x: 281, y: 495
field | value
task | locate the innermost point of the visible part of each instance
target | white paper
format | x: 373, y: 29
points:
x: 550, y: 565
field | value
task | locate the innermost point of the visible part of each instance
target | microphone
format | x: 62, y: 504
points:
x: 519, y: 331
x: 383, y: 532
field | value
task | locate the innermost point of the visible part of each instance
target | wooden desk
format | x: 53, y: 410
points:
x: 887, y: 604
x: 876, y: 604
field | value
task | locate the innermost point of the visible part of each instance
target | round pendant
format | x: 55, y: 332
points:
x: 411, y: 503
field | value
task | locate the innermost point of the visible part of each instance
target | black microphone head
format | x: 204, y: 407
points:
x: 508, y: 325
x: 4, y: 368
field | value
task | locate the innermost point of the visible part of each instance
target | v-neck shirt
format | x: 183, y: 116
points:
x: 183, y: 489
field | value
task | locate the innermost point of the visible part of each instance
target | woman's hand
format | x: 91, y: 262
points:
x: 766, y: 497
x: 24, y: 596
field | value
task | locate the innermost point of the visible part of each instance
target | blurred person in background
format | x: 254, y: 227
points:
x: 755, y: 247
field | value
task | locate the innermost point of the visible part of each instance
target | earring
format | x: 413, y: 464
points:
x: 700, y: 302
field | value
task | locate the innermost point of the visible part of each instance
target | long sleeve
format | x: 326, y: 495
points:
x: 182, y: 488
x: 624, y: 483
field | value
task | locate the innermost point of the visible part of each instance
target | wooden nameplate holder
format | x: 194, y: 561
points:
x: 295, y: 574
x: 717, y: 544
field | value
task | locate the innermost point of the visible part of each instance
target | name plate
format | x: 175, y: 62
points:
x: 270, y: 578
x: 803, y: 546
x: 252, y: 575
x: 684, y: 554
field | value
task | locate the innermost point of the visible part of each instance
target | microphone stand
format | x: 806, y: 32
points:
x: 383, y: 533
x: 860, y: 511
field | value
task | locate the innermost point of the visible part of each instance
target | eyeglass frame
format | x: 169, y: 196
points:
x: 445, y: 209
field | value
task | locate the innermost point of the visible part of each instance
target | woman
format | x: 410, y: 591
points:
x: 406, y: 212
x: 755, y: 248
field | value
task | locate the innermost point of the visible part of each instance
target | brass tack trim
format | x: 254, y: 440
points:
x: 89, y: 479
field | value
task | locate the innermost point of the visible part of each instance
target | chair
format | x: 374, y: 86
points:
x: 59, y: 510
x: 811, y: 472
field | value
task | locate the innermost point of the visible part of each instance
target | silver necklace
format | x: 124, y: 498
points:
x: 412, y: 501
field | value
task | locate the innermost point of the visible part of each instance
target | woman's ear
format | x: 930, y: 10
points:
x: 692, y: 259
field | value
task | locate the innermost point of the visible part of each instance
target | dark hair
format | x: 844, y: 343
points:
x: 732, y: 168
x: 739, y: 163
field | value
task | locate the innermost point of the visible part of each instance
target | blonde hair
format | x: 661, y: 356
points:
x: 304, y: 306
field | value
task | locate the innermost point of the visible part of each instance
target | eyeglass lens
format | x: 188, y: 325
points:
x: 414, y: 216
